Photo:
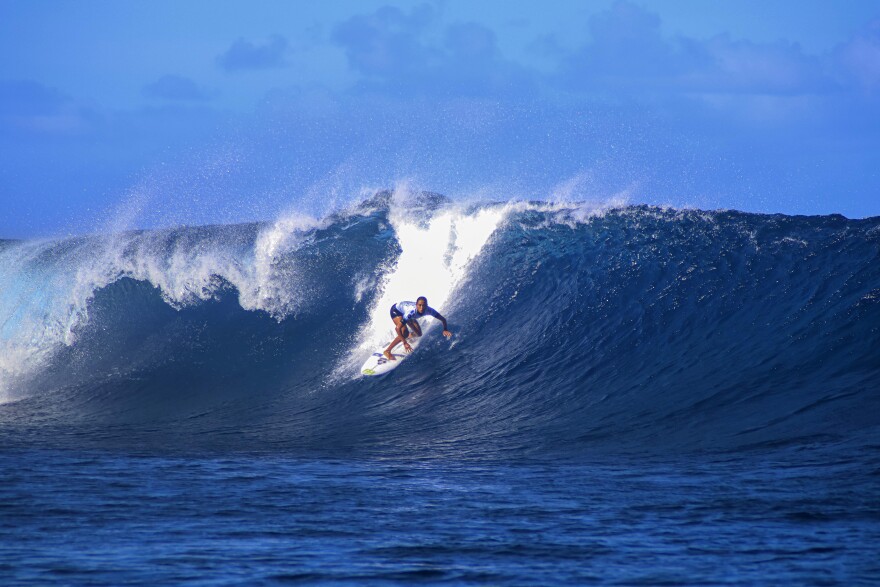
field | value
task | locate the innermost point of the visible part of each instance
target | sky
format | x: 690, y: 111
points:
x: 117, y: 115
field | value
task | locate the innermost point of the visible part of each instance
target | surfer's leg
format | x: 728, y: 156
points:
x: 391, y: 346
x: 402, y: 333
x: 414, y: 326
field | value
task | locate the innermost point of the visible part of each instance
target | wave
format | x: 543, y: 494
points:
x: 576, y: 327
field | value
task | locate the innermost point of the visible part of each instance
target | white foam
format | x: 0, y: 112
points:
x: 436, y: 253
x: 47, y: 286
x: 35, y: 315
x: 265, y: 289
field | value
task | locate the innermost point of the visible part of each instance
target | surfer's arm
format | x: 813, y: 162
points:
x: 402, y: 335
x: 435, y: 314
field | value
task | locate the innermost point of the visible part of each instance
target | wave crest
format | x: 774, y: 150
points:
x: 574, y: 326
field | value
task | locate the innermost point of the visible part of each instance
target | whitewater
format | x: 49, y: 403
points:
x: 633, y: 394
x: 630, y: 325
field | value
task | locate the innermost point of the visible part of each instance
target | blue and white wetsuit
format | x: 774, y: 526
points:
x: 407, y: 311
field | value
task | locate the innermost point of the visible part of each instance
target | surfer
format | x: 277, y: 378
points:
x: 404, y: 315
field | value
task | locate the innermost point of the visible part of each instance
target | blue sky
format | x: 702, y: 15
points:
x: 122, y: 114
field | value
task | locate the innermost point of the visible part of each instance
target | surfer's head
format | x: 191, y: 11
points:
x: 421, y: 304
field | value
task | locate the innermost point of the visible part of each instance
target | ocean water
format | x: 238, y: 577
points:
x: 632, y: 395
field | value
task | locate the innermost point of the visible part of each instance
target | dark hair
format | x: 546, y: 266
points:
x: 420, y: 298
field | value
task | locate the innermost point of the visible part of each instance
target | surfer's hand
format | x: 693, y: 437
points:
x: 407, y: 347
x: 447, y: 334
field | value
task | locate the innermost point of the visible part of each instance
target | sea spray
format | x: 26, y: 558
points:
x: 576, y: 328
x: 435, y: 252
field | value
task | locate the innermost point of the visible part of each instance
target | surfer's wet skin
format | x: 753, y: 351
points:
x: 408, y: 319
x: 639, y: 376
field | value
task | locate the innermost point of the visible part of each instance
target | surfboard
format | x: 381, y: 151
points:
x: 377, y: 364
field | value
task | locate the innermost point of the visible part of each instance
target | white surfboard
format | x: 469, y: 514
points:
x: 378, y: 364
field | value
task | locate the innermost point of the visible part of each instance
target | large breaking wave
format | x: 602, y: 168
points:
x: 575, y: 329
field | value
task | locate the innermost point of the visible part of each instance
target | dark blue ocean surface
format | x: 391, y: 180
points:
x: 799, y: 517
x: 632, y: 395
